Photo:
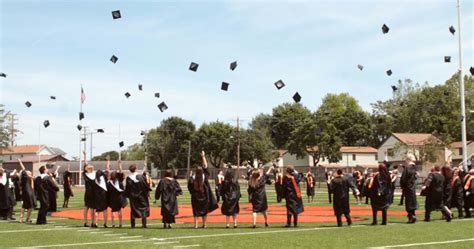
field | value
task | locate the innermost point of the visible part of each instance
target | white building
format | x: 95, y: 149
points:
x: 20, y: 151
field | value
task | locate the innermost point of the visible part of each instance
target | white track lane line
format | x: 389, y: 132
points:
x: 186, y: 246
x: 88, y: 243
x: 131, y: 237
x: 36, y: 230
x: 425, y: 243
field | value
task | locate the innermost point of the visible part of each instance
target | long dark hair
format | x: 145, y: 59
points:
x: 447, y: 173
x: 199, y: 180
x: 383, y: 172
x: 254, y: 178
x: 228, y: 177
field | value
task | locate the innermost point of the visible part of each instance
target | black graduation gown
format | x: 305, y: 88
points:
x: 116, y: 196
x: 380, y: 193
x: 16, y: 183
x: 202, y: 202
x: 230, y: 196
x: 28, y: 194
x: 339, y: 187
x: 447, y: 189
x: 434, y: 192
x: 294, y: 205
x: 168, y: 190
x: 89, y: 200
x: 67, y: 184
x: 53, y: 195
x: 137, y: 191
x: 100, y: 195
x: 469, y: 193
x: 278, y: 186
x: 457, y: 195
x: 43, y: 187
x: 5, y: 199
x: 258, y: 195
x: 408, y: 185
x: 309, y: 188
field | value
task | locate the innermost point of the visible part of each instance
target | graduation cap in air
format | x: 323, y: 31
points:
x: 127, y: 94
x: 81, y: 115
x: 79, y: 127
x: 3, y: 75
x: 385, y: 29
x: 28, y: 104
x: 83, y: 139
x: 360, y: 67
x: 116, y: 14
x: 162, y: 106
x: 53, y: 97
x: 452, y: 30
x: 46, y: 123
x: 121, y: 144
x: 279, y: 84
x: 193, y: 67
x: 394, y: 88
x: 140, y: 87
x: 142, y: 133
x: 446, y: 93
x: 114, y: 59
x: 447, y: 59
x: 297, y: 97
x: 389, y: 72
x: 100, y: 130
x: 471, y: 70
x: 224, y: 86
x: 157, y: 95
x: 233, y: 65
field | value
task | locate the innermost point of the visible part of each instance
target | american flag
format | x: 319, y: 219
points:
x: 83, y: 96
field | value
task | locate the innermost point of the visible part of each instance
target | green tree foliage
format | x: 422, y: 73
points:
x: 217, y: 139
x: 286, y: 118
x: 4, y: 136
x: 134, y: 152
x: 114, y: 156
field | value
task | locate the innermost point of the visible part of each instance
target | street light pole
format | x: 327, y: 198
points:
x: 461, y: 89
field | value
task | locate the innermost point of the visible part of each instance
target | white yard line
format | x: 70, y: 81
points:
x: 426, y: 243
x: 88, y: 243
x: 36, y: 230
x: 101, y: 232
x: 166, y: 243
x: 186, y: 246
x: 115, y: 234
x: 131, y: 237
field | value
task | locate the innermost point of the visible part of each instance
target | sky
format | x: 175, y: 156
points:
x: 54, y: 47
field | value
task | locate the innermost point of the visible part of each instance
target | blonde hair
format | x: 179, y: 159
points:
x: 410, y: 157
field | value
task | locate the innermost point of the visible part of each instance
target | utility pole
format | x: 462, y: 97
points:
x: 238, y: 148
x: 461, y: 89
x: 189, y: 159
x: 84, y: 137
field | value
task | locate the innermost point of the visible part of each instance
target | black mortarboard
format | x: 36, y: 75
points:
x: 233, y: 65
x: 3, y: 75
x: 380, y: 120
x: 194, y: 66
x: 446, y: 93
x: 297, y: 97
x: 224, y: 86
x: 81, y: 115
x: 279, y: 84
x: 53, y: 97
x: 157, y: 95
x: 46, y: 123
x: 360, y: 67
x: 28, y: 104
x: 116, y: 14
x: 162, y: 106
x: 385, y: 29
x: 447, y: 59
x: 114, y: 59
x: 127, y: 94
x: 452, y: 30
x: 83, y: 139
x: 389, y: 72
x: 121, y: 144
x: 142, y: 133
x: 140, y: 87
x: 402, y: 104
x: 79, y: 127
x: 394, y: 88
x: 100, y: 130
x: 471, y: 70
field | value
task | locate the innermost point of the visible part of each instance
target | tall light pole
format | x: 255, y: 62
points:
x: 461, y: 89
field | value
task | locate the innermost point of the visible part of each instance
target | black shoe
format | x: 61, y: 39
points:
x: 384, y: 223
x: 266, y: 224
x: 94, y: 225
x: 287, y: 225
x: 169, y: 226
x: 105, y: 226
x: 144, y: 226
x: 85, y: 225
x: 448, y: 218
x: 254, y: 226
x: 373, y: 224
x: 227, y: 226
x: 425, y: 220
x: 235, y: 226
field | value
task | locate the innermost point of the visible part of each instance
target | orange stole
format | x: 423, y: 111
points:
x: 298, y: 191
x: 467, y: 181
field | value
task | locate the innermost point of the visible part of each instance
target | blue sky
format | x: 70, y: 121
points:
x: 52, y: 47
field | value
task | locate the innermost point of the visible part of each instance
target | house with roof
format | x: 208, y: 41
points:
x: 33, y: 163
x: 456, y: 149
x: 19, y: 151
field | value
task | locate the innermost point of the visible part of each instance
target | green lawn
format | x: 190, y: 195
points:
x: 64, y: 233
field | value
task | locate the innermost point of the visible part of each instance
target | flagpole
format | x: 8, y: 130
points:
x: 461, y: 90
x: 80, y: 152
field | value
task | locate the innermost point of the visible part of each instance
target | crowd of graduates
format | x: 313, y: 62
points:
x: 444, y: 188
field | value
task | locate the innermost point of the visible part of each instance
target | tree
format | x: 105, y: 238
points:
x: 285, y: 119
x: 114, y: 156
x: 426, y: 151
x: 168, y: 144
x: 253, y: 145
x: 4, y: 136
x: 216, y: 139
x: 134, y: 152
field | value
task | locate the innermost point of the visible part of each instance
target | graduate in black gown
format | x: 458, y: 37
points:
x: 15, y: 179
x: 408, y: 185
x: 202, y: 198
x: 359, y: 182
x: 292, y: 195
x: 67, y: 187
x: 447, y: 188
x: 278, y: 178
x: 230, y: 196
x: 5, y: 199
x: 258, y: 195
x: 469, y: 193
x: 101, y: 199
x: 53, y: 195
x: 456, y: 200
x: 219, y: 181
x: 168, y: 190
x: 310, y: 185
x: 116, y: 195
x: 379, y: 189
x: 89, y: 175
x: 137, y: 190
x: 339, y: 187
x: 28, y: 194
x: 43, y: 186
x: 434, y: 188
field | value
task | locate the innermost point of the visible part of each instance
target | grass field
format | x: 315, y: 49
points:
x: 65, y: 233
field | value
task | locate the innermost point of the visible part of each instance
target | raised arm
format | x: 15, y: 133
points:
x: 270, y: 169
x: 204, y: 160
x: 85, y: 158
x: 108, y: 163
x: 120, y: 165
x: 57, y: 169
x: 21, y: 164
